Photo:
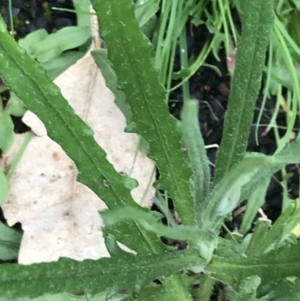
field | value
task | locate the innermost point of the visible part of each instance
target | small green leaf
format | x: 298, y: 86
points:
x: 56, y: 43
x: 247, y: 290
x: 145, y: 10
x: 283, y: 225
x: 284, y: 290
x: 3, y: 186
x: 62, y: 62
x: 227, y: 193
x: 254, y: 202
x: 197, y: 154
x: 10, y: 240
x: 6, y: 131
x: 32, y: 39
x: 15, y: 105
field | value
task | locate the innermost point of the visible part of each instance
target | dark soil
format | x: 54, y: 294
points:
x: 209, y: 88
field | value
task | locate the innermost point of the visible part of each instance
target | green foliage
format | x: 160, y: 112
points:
x: 3, y: 187
x: 251, y: 266
x: 10, y: 240
x: 92, y: 276
x: 45, y: 47
x: 138, y: 80
x: 245, y: 85
x: 270, y: 267
x: 197, y: 154
x: 6, y: 131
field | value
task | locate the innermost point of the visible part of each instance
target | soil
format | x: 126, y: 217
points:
x: 206, y: 85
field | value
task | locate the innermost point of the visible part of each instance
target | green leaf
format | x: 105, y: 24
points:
x: 3, y: 187
x: 33, y: 39
x: 70, y: 297
x: 250, y: 60
x: 254, y: 202
x: 270, y: 267
x: 197, y: 154
x: 145, y: 10
x: 257, y: 245
x: 131, y: 56
x: 268, y: 240
x: 246, y: 290
x: 227, y: 193
x: 15, y: 105
x: 251, y: 172
x: 29, y: 81
x: 56, y: 43
x: 6, y: 130
x: 82, y: 6
x: 284, y: 290
x: 10, y: 240
x: 92, y: 276
x: 62, y: 62
x: 111, y: 81
x: 41, y: 96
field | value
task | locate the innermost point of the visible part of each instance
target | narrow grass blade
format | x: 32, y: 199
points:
x: 197, y: 154
x: 131, y: 56
x: 250, y: 59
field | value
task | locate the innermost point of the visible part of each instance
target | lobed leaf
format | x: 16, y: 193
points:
x: 131, y: 56
x: 30, y: 82
x: 92, y: 276
x: 270, y: 267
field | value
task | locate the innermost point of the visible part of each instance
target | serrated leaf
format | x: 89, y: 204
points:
x: 43, y: 98
x: 131, y: 56
x: 29, y: 81
x: 270, y: 267
x: 92, y: 276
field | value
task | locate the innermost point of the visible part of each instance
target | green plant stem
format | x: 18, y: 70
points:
x: 11, y: 17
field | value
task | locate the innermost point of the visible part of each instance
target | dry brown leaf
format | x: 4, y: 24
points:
x: 59, y: 216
